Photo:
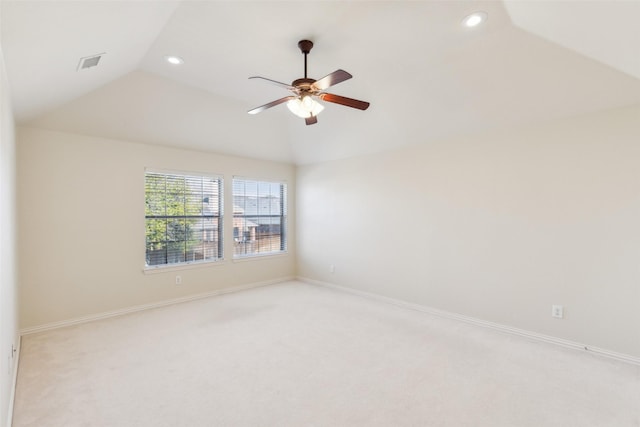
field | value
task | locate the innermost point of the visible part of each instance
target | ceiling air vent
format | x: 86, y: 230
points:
x: 89, y: 61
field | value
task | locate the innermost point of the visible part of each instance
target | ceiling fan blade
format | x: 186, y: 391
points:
x: 271, y: 104
x: 284, y: 85
x: 329, y: 80
x: 343, y: 100
x: 312, y: 120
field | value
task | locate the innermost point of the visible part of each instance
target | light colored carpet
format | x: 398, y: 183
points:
x: 299, y: 355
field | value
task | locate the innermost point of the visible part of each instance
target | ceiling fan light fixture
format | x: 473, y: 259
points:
x: 305, y: 106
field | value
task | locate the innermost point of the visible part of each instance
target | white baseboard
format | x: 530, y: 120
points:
x: 479, y: 322
x: 123, y: 311
x: 14, y: 382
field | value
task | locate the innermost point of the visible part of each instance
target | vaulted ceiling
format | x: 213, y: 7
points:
x: 427, y: 77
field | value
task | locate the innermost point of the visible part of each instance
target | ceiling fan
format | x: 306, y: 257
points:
x: 302, y: 102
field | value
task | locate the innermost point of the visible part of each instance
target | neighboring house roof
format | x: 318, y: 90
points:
x: 253, y: 205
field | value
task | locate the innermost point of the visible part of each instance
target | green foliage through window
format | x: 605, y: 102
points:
x: 183, y: 216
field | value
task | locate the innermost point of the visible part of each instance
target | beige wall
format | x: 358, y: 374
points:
x: 497, y: 227
x: 8, y: 277
x: 81, y: 226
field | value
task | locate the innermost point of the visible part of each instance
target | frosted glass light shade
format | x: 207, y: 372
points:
x: 305, y: 107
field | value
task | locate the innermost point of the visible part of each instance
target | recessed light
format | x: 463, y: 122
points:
x: 175, y: 60
x: 475, y: 19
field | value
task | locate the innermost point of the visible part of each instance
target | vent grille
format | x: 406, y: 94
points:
x: 89, y: 61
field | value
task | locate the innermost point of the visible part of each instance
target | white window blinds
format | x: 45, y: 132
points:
x: 183, y: 218
x: 259, y: 217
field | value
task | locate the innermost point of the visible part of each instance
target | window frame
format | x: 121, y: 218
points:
x: 283, y: 215
x: 218, y: 235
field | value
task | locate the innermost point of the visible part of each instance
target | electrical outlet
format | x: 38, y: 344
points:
x: 557, y: 311
x: 178, y: 280
x: 332, y: 269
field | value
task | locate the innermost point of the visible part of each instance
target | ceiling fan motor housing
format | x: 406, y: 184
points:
x: 303, y: 84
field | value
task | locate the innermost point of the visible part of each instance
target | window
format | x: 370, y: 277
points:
x: 259, y: 217
x: 183, y: 216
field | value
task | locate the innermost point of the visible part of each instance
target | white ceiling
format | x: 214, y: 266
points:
x: 425, y: 75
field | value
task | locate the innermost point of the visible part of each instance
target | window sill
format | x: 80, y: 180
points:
x: 245, y: 258
x: 189, y: 266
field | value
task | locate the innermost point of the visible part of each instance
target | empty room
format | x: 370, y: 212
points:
x: 319, y: 213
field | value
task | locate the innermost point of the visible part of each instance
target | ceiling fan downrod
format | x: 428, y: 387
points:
x: 305, y: 46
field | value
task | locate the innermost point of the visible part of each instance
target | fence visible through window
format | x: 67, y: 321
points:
x: 259, y: 217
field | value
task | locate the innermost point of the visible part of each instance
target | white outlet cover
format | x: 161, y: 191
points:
x: 557, y: 311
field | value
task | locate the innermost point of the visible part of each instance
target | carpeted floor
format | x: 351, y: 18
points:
x: 299, y: 355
